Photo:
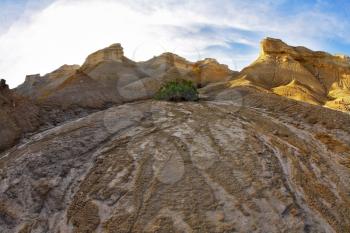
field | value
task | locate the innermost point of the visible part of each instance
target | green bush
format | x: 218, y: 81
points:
x: 179, y: 90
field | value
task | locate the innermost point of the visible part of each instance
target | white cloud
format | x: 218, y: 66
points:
x: 68, y: 30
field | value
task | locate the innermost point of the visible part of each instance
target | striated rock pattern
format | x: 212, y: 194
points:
x: 241, y: 161
x: 301, y: 74
x: 36, y: 87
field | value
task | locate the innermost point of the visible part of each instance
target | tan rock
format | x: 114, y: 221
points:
x: 210, y: 71
x: 300, y: 73
x: 112, y: 53
x: 108, y: 77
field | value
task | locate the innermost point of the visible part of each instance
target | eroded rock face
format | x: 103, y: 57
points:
x: 210, y: 70
x: 17, y: 116
x: 108, y: 77
x: 242, y: 161
x: 112, y: 53
x: 38, y: 87
x: 95, y: 85
x: 171, y: 66
x: 301, y: 74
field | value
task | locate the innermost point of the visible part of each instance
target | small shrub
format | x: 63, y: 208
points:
x: 179, y: 90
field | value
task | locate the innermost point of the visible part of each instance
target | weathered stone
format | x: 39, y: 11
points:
x: 111, y: 53
x: 212, y: 166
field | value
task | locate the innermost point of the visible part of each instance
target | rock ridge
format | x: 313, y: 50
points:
x: 321, y: 78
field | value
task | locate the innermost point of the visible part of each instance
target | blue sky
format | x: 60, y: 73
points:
x: 13, y: 10
x: 38, y: 36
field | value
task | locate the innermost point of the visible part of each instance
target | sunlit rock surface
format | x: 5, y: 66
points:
x: 301, y: 74
x: 108, y: 77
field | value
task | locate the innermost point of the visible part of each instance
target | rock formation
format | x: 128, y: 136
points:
x: 37, y: 87
x: 107, y: 76
x: 17, y: 116
x: 301, y: 74
x: 210, y: 71
x: 102, y: 157
x: 112, y: 53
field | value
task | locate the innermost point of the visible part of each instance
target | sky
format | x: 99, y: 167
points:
x: 38, y: 36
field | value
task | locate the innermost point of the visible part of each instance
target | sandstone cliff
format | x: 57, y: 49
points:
x: 107, y: 76
x: 112, y: 53
x: 301, y: 74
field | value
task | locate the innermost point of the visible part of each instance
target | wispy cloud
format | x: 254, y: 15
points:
x: 66, y: 31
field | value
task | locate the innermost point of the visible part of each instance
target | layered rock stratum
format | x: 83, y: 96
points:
x: 301, y: 74
x: 102, y: 156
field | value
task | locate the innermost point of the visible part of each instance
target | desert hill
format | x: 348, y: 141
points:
x: 103, y: 157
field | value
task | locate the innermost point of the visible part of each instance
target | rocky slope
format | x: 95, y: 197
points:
x: 103, y: 157
x: 301, y: 74
x: 240, y: 161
